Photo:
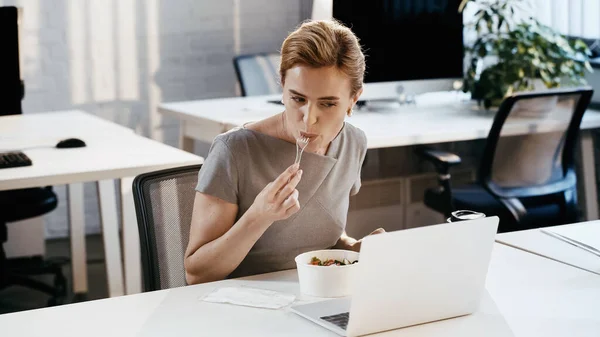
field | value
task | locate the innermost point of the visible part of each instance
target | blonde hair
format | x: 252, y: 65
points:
x: 324, y: 43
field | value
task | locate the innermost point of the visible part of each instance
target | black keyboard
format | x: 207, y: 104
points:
x: 340, y: 320
x: 14, y: 159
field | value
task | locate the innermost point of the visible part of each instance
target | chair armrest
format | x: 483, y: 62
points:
x: 442, y: 160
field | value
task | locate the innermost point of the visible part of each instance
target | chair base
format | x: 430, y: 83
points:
x: 18, y: 272
x: 543, y: 212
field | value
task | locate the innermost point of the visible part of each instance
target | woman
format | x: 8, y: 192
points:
x: 253, y: 212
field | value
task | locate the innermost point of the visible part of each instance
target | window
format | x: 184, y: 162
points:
x: 580, y: 18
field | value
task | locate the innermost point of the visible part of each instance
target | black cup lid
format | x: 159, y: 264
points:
x: 463, y: 215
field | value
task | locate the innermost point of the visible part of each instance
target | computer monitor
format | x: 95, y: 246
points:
x: 406, y: 40
x: 10, y: 74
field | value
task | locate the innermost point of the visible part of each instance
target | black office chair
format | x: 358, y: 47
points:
x: 528, y: 181
x: 258, y: 74
x: 16, y: 205
x: 164, y: 201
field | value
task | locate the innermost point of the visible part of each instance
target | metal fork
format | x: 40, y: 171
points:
x: 301, y: 143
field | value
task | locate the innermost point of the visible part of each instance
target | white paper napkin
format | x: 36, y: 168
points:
x: 251, y: 297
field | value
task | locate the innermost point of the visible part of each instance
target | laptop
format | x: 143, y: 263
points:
x: 411, y: 277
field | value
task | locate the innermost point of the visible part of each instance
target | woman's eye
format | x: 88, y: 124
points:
x: 328, y: 104
x: 297, y: 99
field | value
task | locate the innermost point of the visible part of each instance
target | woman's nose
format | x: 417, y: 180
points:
x: 310, y: 115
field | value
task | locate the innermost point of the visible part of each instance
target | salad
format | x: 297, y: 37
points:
x: 315, y: 261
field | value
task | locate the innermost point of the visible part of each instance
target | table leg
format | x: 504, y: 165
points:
x: 110, y: 235
x: 589, y: 175
x: 131, y: 239
x: 185, y: 143
x: 75, y: 199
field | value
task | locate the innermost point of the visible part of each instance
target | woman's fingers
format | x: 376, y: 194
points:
x: 282, y: 180
x: 279, y: 199
x: 289, y: 188
x: 378, y: 231
x: 291, y: 205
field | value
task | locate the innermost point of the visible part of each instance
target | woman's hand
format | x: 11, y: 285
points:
x: 279, y: 199
x: 355, y: 244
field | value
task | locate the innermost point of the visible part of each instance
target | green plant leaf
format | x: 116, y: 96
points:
x: 545, y: 76
x: 510, y: 90
x: 525, y: 50
x: 482, y: 51
x: 580, y: 45
x: 462, y: 5
x: 500, y: 22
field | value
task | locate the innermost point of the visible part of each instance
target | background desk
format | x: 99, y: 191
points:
x: 112, y: 152
x: 534, y: 296
x: 536, y: 242
x: 432, y: 120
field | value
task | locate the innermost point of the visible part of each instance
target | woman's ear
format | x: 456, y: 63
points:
x: 357, y: 96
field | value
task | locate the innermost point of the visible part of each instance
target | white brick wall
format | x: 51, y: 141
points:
x: 118, y: 58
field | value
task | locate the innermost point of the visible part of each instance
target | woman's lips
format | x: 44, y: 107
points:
x: 309, y: 135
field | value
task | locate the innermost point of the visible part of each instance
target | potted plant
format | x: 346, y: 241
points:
x: 512, y: 54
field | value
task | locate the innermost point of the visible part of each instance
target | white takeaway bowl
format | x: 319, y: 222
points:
x: 326, y: 281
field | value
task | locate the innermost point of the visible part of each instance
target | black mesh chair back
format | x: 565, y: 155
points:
x: 164, y: 201
x: 258, y: 74
x: 541, y: 161
x: 527, y: 174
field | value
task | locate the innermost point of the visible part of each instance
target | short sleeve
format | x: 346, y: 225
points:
x: 361, y: 159
x: 218, y: 176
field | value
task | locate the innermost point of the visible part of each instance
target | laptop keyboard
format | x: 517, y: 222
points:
x: 340, y: 320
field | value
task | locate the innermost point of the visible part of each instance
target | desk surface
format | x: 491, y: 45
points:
x: 536, y: 242
x: 112, y: 151
x: 533, y: 296
x: 430, y: 121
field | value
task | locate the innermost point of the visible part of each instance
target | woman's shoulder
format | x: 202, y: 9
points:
x: 241, y: 141
x: 355, y: 136
x: 235, y: 139
x: 355, y: 131
x: 232, y: 136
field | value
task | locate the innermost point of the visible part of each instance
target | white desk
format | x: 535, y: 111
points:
x: 536, y: 242
x: 540, y: 297
x: 112, y: 152
x: 433, y: 120
x: 534, y: 297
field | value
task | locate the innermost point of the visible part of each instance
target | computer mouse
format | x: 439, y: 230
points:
x: 70, y: 143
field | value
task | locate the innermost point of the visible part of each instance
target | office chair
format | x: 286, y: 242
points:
x: 258, y: 74
x: 527, y: 181
x: 16, y: 205
x: 164, y: 201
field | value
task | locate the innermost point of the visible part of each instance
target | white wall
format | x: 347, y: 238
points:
x: 570, y: 17
x: 118, y: 58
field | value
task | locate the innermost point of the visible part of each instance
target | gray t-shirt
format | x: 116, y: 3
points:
x: 242, y: 162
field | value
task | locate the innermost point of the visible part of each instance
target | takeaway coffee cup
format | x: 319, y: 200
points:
x: 463, y: 215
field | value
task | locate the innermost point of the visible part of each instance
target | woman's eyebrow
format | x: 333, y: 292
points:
x: 326, y: 98
x: 329, y: 98
x: 296, y: 93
